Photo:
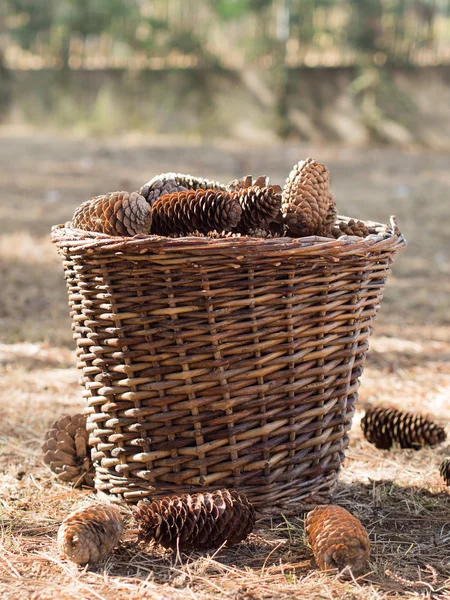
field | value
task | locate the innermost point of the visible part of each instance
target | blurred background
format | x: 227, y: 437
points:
x: 101, y: 95
x: 350, y: 70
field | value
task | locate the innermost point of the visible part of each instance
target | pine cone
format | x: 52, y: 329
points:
x: 116, y: 213
x: 444, y: 470
x: 246, y: 182
x: 89, y: 534
x: 260, y: 206
x: 307, y: 204
x: 155, y: 188
x: 353, y: 227
x: 185, y: 182
x: 197, y: 521
x: 66, y: 451
x: 337, y: 539
x: 386, y: 426
x: 195, y: 210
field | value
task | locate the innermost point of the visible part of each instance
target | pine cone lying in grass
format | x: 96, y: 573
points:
x: 308, y: 206
x: 89, y: 534
x: 387, y: 426
x: 197, y: 521
x: 338, y: 539
x: 66, y: 451
x: 116, y: 213
x: 195, y: 210
x: 357, y: 228
x: 444, y: 470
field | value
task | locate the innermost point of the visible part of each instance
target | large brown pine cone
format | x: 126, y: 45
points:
x: 338, y: 539
x: 308, y: 206
x: 387, y: 426
x: 444, y: 470
x: 155, y: 188
x: 89, y: 534
x: 66, y: 451
x: 196, y: 522
x: 357, y: 228
x: 116, y: 213
x: 195, y: 210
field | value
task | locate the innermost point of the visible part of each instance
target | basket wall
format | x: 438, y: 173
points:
x: 210, y: 363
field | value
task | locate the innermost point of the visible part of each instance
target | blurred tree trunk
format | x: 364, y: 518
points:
x: 281, y: 68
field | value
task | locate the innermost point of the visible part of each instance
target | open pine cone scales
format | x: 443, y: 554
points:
x: 66, y: 451
x: 116, y: 213
x: 197, y: 521
x: 155, y: 188
x: 337, y: 539
x: 177, y: 182
x: 308, y: 206
x: 385, y: 427
x: 260, y: 206
x: 195, y: 210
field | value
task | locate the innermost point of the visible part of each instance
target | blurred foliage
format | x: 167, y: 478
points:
x: 243, y: 31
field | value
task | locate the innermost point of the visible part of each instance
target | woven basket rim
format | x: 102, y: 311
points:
x: 388, y: 237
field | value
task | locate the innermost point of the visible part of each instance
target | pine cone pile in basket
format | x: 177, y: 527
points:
x: 338, y: 539
x: 89, y: 534
x: 196, y: 522
x: 260, y: 202
x: 66, y: 451
x: 308, y: 205
x: 444, y: 470
x: 352, y: 227
x: 195, y: 210
x: 116, y: 213
x: 385, y: 427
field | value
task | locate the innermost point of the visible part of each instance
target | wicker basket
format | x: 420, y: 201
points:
x: 227, y: 362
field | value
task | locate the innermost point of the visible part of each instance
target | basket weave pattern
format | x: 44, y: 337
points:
x: 229, y: 362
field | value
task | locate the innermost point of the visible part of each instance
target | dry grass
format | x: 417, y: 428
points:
x: 398, y: 495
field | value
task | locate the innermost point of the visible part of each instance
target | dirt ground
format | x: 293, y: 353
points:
x: 397, y: 494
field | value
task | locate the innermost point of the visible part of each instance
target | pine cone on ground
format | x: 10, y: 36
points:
x: 155, y: 188
x: 116, y: 213
x: 308, y: 206
x: 196, y: 522
x: 357, y: 228
x: 444, y: 470
x: 386, y: 426
x: 195, y: 210
x: 89, y: 534
x: 338, y: 539
x: 66, y: 451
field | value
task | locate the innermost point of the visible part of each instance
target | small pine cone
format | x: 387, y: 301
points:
x: 357, y: 228
x: 196, y: 522
x: 260, y: 206
x: 386, y: 426
x: 66, y: 451
x: 116, y: 213
x: 184, y: 182
x: 246, y: 182
x: 338, y: 539
x: 307, y: 204
x: 155, y: 188
x: 195, y: 210
x: 89, y: 534
x: 444, y: 470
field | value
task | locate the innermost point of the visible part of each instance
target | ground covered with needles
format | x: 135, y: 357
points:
x: 397, y: 494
